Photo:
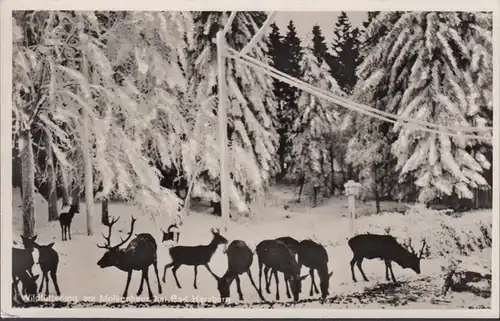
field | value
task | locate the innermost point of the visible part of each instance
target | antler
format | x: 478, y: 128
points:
x: 171, y: 227
x: 424, y: 244
x: 129, y: 234
x: 216, y: 231
x: 409, y: 247
x: 107, y: 245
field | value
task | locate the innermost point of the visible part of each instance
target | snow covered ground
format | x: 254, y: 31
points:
x: 84, y: 284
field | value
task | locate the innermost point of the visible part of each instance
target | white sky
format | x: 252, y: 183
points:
x: 305, y: 20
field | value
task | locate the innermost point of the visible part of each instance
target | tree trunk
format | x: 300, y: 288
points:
x: 75, y: 191
x: 315, y: 196
x: 51, y: 181
x: 89, y: 184
x: 64, y: 186
x: 105, y: 212
x: 27, y: 182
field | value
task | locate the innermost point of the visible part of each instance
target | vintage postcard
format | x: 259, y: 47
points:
x: 204, y: 158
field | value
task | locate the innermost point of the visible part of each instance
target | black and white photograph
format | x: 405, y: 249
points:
x: 330, y: 159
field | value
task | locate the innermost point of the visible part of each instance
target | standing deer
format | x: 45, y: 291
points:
x: 48, y: 260
x: 194, y: 256
x: 22, y: 260
x: 65, y: 221
x: 170, y: 235
x: 139, y: 254
x: 314, y: 256
x: 293, y: 245
x: 278, y: 257
x: 384, y: 247
x: 239, y: 260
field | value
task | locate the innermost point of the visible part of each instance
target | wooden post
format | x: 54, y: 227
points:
x: 222, y: 113
x: 351, y: 190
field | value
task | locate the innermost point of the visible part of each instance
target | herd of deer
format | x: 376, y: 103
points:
x: 282, y: 255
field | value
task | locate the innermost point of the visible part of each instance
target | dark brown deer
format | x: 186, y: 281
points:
x: 386, y: 248
x: 170, y: 235
x: 22, y: 259
x: 194, y: 256
x: 139, y: 254
x: 48, y: 260
x: 279, y: 258
x: 65, y: 221
x: 239, y: 260
x: 314, y: 256
x: 293, y: 245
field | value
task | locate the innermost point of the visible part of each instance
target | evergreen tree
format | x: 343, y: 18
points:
x: 288, y: 111
x: 315, y: 123
x: 251, y: 109
x: 422, y: 71
x: 345, y: 58
x: 320, y: 49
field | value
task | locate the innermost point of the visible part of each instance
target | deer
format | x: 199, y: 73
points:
x: 386, y: 248
x: 169, y: 235
x: 29, y: 286
x: 194, y: 256
x: 293, y: 245
x: 65, y: 222
x: 139, y: 254
x: 239, y: 260
x: 22, y: 259
x: 279, y: 258
x: 313, y: 255
x: 48, y: 260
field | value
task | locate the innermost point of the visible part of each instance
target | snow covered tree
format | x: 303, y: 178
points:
x: 316, y: 122
x: 252, y: 106
x: 345, y: 56
x: 320, y: 49
x: 421, y: 69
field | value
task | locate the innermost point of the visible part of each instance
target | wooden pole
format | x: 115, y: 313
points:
x: 222, y: 113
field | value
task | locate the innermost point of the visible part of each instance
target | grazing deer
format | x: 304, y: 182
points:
x: 139, y: 254
x: 314, y: 256
x: 170, y: 235
x: 29, y: 287
x: 384, y: 247
x: 194, y: 256
x: 65, y: 221
x: 293, y: 245
x: 278, y: 257
x: 22, y: 259
x: 239, y: 260
x: 48, y: 260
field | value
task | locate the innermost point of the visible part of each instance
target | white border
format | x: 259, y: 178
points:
x: 227, y: 5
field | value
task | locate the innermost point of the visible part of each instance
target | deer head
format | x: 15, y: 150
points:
x: 111, y: 257
x: 29, y: 242
x: 296, y: 285
x: 218, y: 239
x: 170, y: 235
x: 324, y: 284
x: 414, y: 258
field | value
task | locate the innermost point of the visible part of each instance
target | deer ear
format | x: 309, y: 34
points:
x: 304, y: 276
x: 23, y: 237
x: 330, y: 274
x: 34, y: 238
x: 36, y: 277
x: 51, y: 245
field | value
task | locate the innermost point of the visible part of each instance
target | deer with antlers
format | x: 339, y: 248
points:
x: 139, y: 254
x: 386, y: 248
x: 170, y: 235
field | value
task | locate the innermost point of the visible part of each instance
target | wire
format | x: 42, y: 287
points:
x: 314, y: 91
x: 258, y: 36
x: 358, y: 106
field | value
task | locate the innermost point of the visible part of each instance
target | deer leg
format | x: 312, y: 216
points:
x: 392, y: 273
x: 238, y: 287
x: 287, y: 280
x: 46, y: 283
x: 353, y: 261
x: 254, y: 285
x: 165, y: 270
x: 209, y: 270
x: 155, y: 266
x: 41, y: 283
x: 129, y: 277
x: 145, y: 274
x: 358, y: 263
x: 313, y: 285
x: 277, y: 284
x: 268, y: 275
x: 174, y: 272
x: 53, y: 275
x: 195, y: 275
x: 62, y: 232
x: 139, y: 291
x: 387, y: 270
x: 69, y: 230
x: 260, y: 277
